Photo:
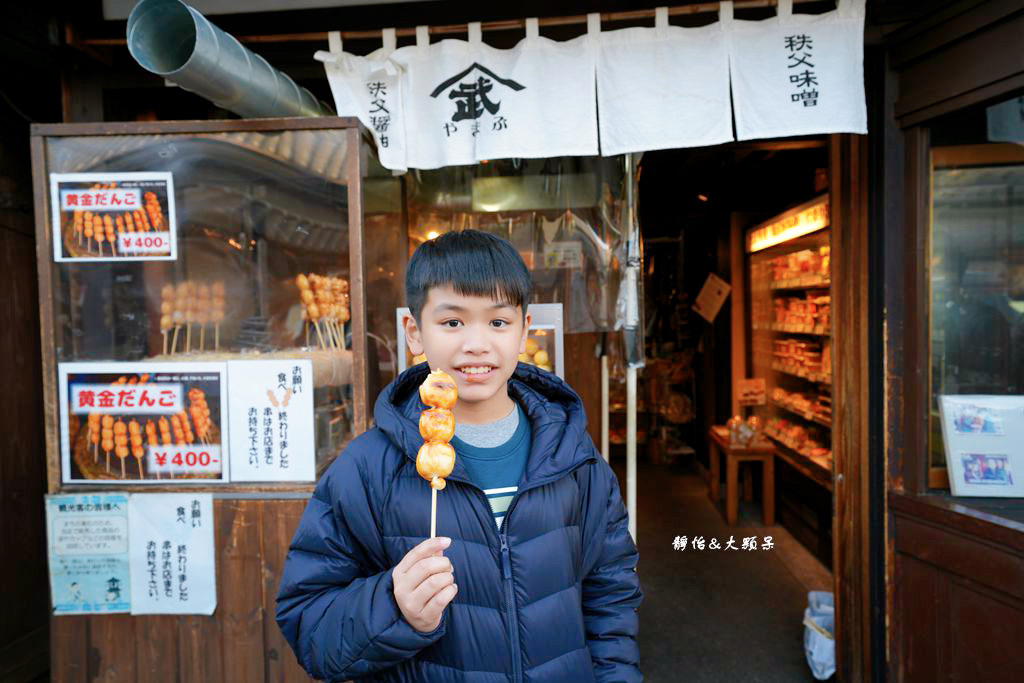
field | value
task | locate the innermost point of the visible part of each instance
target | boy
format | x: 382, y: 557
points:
x: 534, y: 577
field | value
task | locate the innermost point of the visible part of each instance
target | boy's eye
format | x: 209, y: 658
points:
x: 451, y: 323
x: 500, y: 323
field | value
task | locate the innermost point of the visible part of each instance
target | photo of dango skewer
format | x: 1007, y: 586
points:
x: 126, y: 216
x: 126, y: 427
x: 326, y: 308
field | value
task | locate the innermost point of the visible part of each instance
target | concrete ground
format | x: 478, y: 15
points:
x: 716, y: 615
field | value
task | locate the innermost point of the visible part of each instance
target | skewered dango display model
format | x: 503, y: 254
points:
x: 436, y: 457
x: 324, y: 299
x: 189, y: 303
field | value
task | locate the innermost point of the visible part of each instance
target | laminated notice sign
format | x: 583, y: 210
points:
x: 172, y: 558
x: 712, y: 295
x: 982, y: 435
x: 272, y: 420
x: 88, y: 553
x: 143, y: 423
x: 113, y: 216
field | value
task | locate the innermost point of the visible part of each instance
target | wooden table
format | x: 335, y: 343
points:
x: 762, y: 451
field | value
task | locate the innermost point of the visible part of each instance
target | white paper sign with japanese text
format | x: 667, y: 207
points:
x: 172, y: 560
x: 88, y: 553
x: 113, y: 216
x: 271, y: 419
x: 143, y: 423
x: 712, y: 295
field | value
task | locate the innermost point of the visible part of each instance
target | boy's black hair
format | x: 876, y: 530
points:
x: 474, y: 263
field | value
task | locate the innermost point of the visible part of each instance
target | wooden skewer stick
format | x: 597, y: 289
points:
x: 320, y: 336
x: 164, y: 333
x: 188, y: 337
x: 342, y: 336
x: 306, y: 325
x: 433, y: 512
x: 202, y: 337
x: 139, y: 461
x: 174, y: 342
x: 216, y: 337
x: 123, y: 475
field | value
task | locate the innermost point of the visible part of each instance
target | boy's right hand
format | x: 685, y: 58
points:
x: 424, y: 584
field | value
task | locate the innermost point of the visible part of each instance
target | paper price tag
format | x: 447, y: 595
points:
x: 195, y: 458
x: 136, y: 244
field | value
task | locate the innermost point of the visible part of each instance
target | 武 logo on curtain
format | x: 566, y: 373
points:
x: 473, y: 92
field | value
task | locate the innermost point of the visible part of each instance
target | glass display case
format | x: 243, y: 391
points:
x: 791, y: 333
x: 202, y: 299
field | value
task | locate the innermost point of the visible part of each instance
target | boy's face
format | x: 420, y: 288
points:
x: 475, y: 339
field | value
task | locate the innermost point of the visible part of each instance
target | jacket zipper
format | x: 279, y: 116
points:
x: 506, y: 569
x: 511, y: 617
x: 510, y: 609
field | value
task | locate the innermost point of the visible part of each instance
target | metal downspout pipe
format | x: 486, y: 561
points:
x: 173, y: 40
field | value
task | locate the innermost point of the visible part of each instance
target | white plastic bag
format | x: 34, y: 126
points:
x: 819, y: 630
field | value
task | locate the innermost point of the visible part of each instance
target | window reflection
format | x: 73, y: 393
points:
x: 977, y: 256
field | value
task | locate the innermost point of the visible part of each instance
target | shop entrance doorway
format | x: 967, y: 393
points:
x: 774, y: 221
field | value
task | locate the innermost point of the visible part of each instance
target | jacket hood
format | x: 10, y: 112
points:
x: 557, y: 420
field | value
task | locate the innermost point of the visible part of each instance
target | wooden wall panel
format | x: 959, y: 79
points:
x: 918, y: 660
x: 959, y: 609
x: 239, y: 586
x: 988, y: 626
x: 199, y: 648
x: 279, y: 523
x: 240, y: 642
x: 69, y: 648
x: 156, y: 648
x: 24, y: 587
x: 111, y: 649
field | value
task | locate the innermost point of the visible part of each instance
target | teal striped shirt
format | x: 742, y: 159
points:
x: 497, y: 470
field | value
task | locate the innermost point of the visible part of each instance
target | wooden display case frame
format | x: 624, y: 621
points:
x: 355, y: 172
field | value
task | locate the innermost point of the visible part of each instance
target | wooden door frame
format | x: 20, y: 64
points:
x: 853, y: 365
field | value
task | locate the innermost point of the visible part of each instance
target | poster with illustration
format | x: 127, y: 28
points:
x: 143, y: 423
x: 87, y: 537
x: 113, y: 217
x: 982, y: 437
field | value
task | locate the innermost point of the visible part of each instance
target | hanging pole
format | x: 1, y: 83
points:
x: 605, y: 413
x: 631, y: 321
x: 487, y: 26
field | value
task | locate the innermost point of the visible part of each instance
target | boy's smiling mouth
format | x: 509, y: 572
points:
x: 476, y: 372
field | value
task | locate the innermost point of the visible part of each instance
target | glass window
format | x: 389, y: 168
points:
x: 977, y: 259
x: 178, y: 255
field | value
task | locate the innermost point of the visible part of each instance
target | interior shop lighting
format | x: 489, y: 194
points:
x: 433, y: 235
x: 800, y: 221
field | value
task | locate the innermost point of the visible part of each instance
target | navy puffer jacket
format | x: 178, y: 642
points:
x: 559, y: 576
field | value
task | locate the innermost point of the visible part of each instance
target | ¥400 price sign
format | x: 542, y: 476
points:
x: 179, y: 459
x: 139, y: 244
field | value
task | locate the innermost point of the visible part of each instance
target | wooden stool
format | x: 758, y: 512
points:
x: 764, y: 452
